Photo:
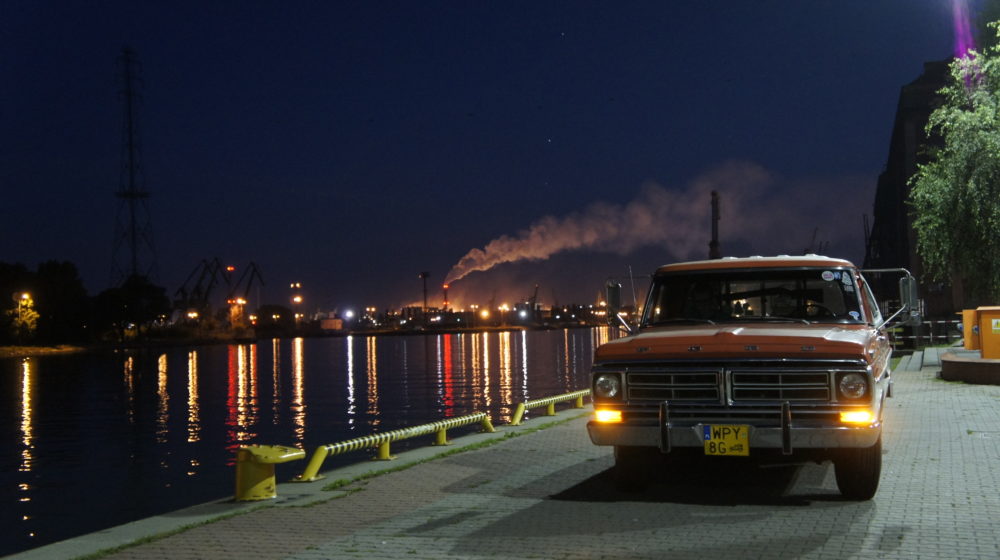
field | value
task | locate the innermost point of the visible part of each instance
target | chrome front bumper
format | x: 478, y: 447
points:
x: 760, y: 437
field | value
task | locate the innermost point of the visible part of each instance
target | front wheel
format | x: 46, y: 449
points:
x: 858, y: 471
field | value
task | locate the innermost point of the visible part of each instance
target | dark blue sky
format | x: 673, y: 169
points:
x: 350, y: 146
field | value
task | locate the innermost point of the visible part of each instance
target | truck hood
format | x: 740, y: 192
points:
x: 744, y: 341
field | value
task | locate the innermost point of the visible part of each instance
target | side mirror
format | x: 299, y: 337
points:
x: 910, y: 301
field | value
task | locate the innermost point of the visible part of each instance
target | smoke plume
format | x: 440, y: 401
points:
x: 755, y: 206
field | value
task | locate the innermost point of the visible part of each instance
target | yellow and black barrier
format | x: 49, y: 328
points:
x: 255, y: 470
x: 549, y: 403
x: 381, y: 441
x: 255, y: 464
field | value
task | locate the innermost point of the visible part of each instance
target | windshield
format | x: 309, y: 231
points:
x: 800, y: 295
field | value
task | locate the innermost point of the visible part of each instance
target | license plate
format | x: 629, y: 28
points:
x: 727, y: 439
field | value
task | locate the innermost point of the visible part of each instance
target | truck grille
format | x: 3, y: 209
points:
x: 681, y: 385
x: 780, y: 385
x: 753, y: 383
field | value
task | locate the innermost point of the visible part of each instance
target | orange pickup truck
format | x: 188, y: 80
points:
x: 751, y: 357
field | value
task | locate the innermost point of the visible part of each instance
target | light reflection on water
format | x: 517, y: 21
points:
x: 102, y: 439
x: 194, y: 420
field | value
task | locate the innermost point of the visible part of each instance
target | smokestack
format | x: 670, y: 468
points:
x: 423, y: 276
x: 444, y: 289
x: 713, y: 245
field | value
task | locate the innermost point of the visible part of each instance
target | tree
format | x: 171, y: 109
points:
x: 24, y: 318
x: 955, y: 197
x: 62, y: 303
x: 131, y: 308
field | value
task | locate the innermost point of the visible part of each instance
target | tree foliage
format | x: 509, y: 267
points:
x: 131, y: 308
x: 955, y: 197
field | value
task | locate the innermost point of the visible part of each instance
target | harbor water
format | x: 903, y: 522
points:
x: 93, y: 440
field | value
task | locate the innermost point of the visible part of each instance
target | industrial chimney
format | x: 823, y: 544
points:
x: 713, y: 245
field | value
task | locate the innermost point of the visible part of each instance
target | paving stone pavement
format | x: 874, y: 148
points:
x: 549, y: 494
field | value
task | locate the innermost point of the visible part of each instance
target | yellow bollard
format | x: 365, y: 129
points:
x: 550, y: 410
x: 383, y: 452
x: 441, y: 437
x: 518, y: 415
x: 255, y: 470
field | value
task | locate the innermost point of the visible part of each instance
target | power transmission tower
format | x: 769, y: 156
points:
x: 133, y: 252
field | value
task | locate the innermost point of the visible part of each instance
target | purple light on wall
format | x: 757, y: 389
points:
x: 964, y: 41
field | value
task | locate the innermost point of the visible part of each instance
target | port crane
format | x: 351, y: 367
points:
x: 239, y: 294
x: 193, y: 295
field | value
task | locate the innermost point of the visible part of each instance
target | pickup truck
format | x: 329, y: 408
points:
x: 784, y: 357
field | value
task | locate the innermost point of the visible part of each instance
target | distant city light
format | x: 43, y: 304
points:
x: 349, y: 314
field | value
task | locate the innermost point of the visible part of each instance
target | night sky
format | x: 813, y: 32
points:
x: 350, y: 146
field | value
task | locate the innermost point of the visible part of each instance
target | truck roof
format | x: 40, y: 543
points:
x: 780, y: 261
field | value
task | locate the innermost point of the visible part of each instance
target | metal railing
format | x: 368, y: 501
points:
x: 439, y: 428
x: 549, y: 403
x: 929, y: 333
x: 382, y: 441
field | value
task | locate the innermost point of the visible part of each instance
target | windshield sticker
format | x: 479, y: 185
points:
x: 848, y: 289
x: 846, y: 279
x: 828, y: 276
x: 856, y: 315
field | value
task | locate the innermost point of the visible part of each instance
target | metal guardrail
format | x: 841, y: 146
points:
x: 439, y: 428
x: 929, y: 333
x: 382, y: 441
x: 549, y: 403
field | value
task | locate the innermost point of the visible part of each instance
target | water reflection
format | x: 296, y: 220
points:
x: 506, y: 385
x: 351, y: 405
x: 242, y: 394
x: 27, y: 428
x: 194, y: 415
x: 171, y: 419
x: 371, y: 361
x: 298, y: 390
x: 129, y: 379
x: 276, y: 381
x: 448, y: 370
x: 163, y: 401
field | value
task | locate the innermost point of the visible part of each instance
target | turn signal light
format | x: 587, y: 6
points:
x: 609, y: 416
x: 856, y: 417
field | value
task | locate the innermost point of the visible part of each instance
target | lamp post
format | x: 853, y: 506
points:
x: 23, y: 300
x: 296, y: 302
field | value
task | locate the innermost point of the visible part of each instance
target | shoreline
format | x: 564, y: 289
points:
x: 31, y: 351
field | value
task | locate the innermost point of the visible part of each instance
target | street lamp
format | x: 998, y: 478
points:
x: 24, y: 303
x: 24, y: 300
x: 296, y: 301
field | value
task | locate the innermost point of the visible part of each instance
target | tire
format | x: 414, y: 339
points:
x: 858, y: 471
x: 632, y: 468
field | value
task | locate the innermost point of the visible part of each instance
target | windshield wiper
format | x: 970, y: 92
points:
x: 683, y: 320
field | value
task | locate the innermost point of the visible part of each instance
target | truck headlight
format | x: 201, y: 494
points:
x: 853, y: 385
x: 607, y: 386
